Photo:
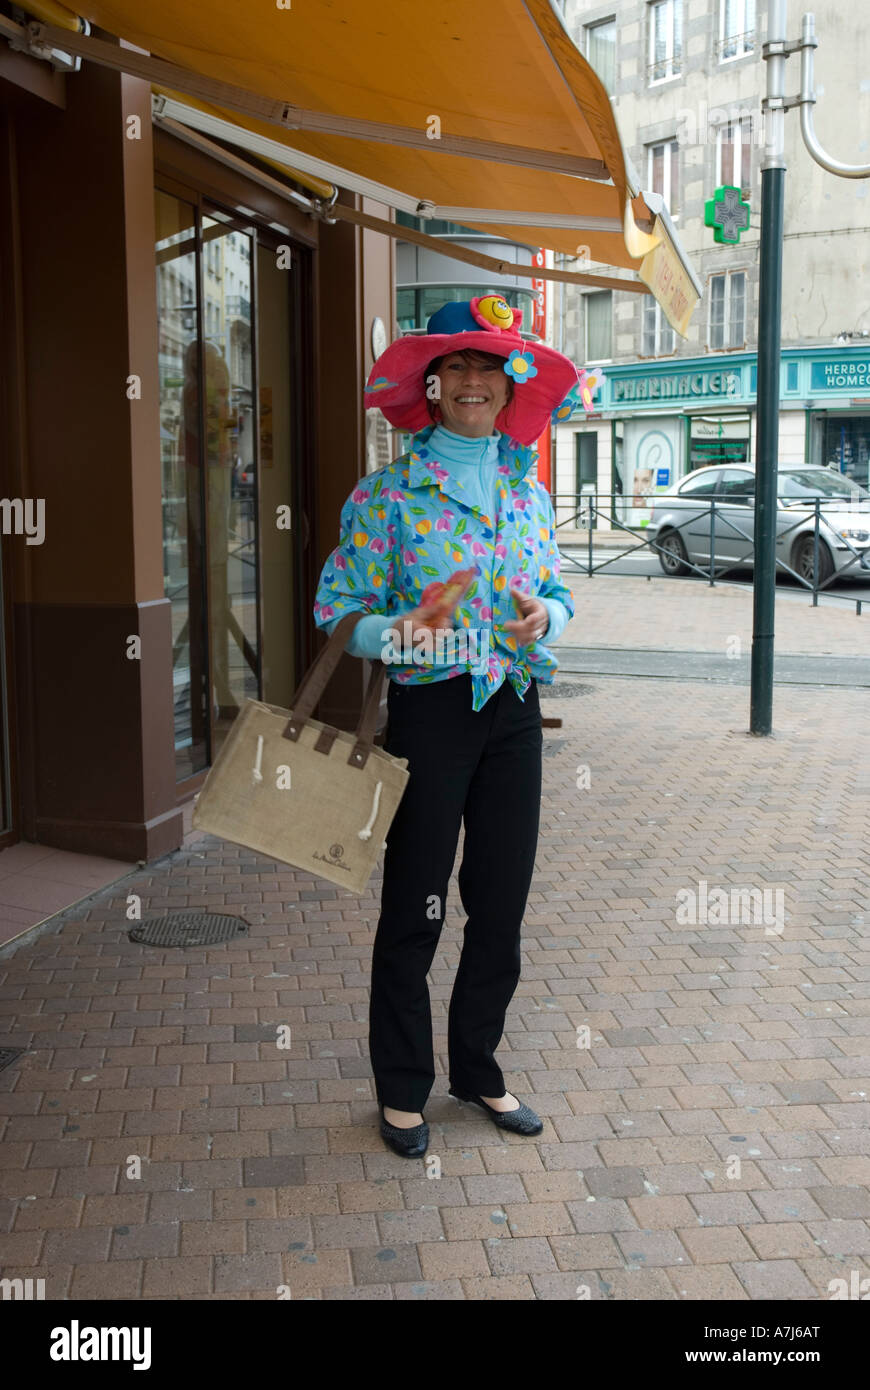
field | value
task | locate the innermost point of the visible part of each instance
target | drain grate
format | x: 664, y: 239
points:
x: 8, y: 1055
x: 563, y: 690
x: 188, y: 929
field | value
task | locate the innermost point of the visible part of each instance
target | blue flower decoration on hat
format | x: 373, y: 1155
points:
x: 520, y: 366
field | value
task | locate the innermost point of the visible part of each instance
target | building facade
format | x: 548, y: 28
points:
x: 686, y: 78
x: 176, y: 337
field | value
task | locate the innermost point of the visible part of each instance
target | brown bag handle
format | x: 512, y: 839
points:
x: 314, y: 683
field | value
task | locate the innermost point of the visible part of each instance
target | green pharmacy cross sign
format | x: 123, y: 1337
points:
x: 727, y: 214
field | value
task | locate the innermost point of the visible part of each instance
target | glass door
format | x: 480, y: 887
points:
x: 231, y: 466
x: 181, y: 464
x: 230, y: 384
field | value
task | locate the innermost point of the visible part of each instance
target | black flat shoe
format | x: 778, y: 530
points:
x: 408, y: 1143
x: 521, y: 1121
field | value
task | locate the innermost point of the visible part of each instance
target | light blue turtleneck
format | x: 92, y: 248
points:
x: 474, y: 463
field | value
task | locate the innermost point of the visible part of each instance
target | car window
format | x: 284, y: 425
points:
x: 702, y: 486
x: 736, y: 485
x: 818, y: 482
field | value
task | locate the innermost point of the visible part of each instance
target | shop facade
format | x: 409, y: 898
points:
x: 656, y: 422
x: 176, y: 334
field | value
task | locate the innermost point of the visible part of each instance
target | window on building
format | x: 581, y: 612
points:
x: 657, y: 337
x: 663, y: 172
x: 598, y: 346
x: 665, y: 39
x: 736, y: 28
x: 586, y: 457
x: 601, y: 51
x: 727, y: 310
x: 734, y: 154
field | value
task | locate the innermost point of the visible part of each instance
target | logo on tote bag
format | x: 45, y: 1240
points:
x: 334, y: 857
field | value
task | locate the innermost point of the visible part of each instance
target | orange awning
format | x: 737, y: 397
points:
x: 485, y: 114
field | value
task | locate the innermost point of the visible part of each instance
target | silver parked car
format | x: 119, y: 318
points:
x: 681, y: 522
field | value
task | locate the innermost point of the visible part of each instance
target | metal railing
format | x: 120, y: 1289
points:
x: 718, y: 514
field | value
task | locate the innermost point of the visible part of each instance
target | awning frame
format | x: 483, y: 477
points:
x: 42, y: 37
x: 330, y: 211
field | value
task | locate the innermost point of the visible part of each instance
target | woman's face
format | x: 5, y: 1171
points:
x: 472, y: 394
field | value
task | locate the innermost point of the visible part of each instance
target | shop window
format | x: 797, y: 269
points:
x: 601, y: 51
x: 846, y: 446
x: 718, y: 439
x: 736, y: 29
x: 657, y: 336
x: 665, y: 40
x: 663, y: 173
x: 598, y: 326
x: 727, y: 327
x: 791, y: 376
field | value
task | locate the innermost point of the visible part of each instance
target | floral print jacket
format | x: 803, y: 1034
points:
x: 407, y: 524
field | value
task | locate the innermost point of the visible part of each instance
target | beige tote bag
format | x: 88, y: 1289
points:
x: 302, y: 792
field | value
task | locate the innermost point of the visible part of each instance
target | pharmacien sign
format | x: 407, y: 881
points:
x: 674, y: 385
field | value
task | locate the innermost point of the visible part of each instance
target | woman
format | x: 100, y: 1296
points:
x: 465, y: 714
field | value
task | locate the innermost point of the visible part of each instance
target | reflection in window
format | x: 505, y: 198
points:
x: 183, y: 556
x: 230, y: 476
x: 663, y: 172
x: 734, y: 154
x: 599, y: 326
x: 665, y: 39
x: 601, y: 51
x: 727, y: 310
x: 657, y: 338
x: 736, y: 28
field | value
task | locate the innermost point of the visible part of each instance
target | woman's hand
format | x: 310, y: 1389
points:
x: 416, y: 625
x: 533, y: 624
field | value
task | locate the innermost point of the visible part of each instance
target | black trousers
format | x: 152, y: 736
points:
x: 483, y: 768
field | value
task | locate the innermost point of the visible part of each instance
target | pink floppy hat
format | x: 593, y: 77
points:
x: 545, y: 381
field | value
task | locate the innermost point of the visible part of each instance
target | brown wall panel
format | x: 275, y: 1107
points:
x: 105, y: 784
x: 96, y: 737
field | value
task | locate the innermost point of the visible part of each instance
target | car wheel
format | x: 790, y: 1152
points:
x: 672, y: 555
x: 803, y: 560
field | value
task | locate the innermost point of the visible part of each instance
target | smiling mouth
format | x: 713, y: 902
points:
x: 471, y: 400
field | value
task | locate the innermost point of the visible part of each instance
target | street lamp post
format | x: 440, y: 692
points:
x: 769, y: 342
x: 776, y: 52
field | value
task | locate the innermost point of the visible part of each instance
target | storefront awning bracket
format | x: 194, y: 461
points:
x: 329, y: 210
x: 289, y: 117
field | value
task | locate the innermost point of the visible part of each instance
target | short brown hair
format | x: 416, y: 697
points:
x: 470, y: 355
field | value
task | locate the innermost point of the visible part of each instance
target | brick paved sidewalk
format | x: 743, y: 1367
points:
x: 708, y: 1043
x: 688, y: 615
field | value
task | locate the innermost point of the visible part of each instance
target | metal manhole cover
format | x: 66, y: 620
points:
x: 8, y: 1055
x: 563, y: 690
x: 188, y: 929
